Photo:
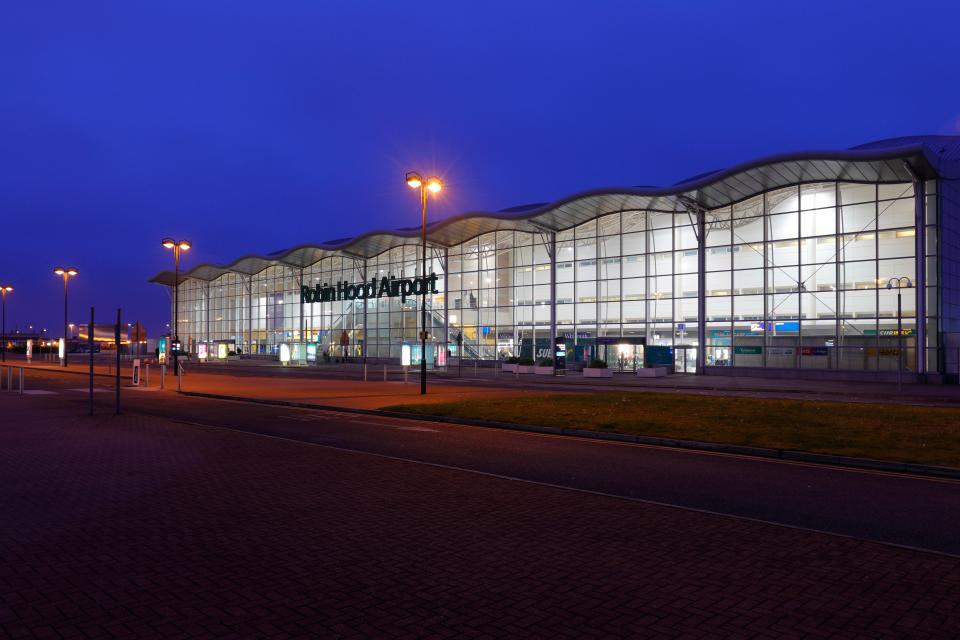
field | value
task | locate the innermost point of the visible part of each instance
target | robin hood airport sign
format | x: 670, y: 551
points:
x: 387, y: 286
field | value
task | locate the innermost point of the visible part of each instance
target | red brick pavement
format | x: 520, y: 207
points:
x: 135, y: 527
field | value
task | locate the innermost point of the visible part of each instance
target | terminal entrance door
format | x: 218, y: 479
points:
x: 622, y: 354
x: 685, y: 360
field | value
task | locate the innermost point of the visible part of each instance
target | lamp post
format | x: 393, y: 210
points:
x: 433, y: 185
x: 66, y: 274
x: 177, y: 246
x: 4, y: 290
x: 898, y: 284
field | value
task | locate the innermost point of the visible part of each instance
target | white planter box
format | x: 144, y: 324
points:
x: 525, y: 368
x: 509, y: 368
x: 543, y: 371
x: 597, y: 373
x: 652, y: 372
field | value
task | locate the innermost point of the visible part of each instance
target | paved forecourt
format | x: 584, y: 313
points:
x: 343, y: 384
x: 134, y: 526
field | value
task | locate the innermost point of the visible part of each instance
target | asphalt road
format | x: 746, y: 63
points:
x: 898, y: 509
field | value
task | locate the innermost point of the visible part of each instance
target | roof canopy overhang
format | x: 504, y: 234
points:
x: 898, y: 160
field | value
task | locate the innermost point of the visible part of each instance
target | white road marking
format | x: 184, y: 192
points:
x: 310, y: 417
x: 39, y: 392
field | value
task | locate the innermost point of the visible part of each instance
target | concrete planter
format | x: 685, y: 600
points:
x: 525, y: 368
x: 509, y: 368
x: 543, y: 371
x: 597, y: 373
x: 652, y: 372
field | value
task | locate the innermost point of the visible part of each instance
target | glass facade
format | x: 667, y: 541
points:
x: 792, y: 278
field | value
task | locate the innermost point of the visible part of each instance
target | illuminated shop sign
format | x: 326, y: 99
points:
x: 387, y: 286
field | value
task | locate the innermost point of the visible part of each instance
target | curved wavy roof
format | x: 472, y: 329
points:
x: 890, y: 160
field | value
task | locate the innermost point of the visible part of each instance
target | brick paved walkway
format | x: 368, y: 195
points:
x: 135, y: 527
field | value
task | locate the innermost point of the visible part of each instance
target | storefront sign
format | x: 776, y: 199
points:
x: 222, y: 350
x: 311, y: 352
x: 202, y: 351
x: 391, y: 287
x: 284, y: 353
x: 658, y: 355
x: 162, y: 350
x: 747, y: 351
x: 814, y: 351
x: 780, y: 351
x: 889, y: 332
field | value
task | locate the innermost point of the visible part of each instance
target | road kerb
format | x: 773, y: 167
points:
x: 715, y: 447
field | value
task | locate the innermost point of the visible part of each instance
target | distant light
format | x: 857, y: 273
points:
x: 169, y: 243
x: 185, y: 245
x: 434, y: 184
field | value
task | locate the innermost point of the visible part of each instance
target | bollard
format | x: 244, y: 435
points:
x: 9, y: 378
x: 364, y: 371
x: 406, y: 370
x: 384, y: 373
x: 475, y: 368
x: 179, y: 374
x: 163, y: 375
x: 21, y: 380
x: 147, y: 371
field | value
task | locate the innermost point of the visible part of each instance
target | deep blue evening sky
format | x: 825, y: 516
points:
x: 251, y: 126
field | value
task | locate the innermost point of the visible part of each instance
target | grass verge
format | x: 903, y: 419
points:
x: 923, y: 435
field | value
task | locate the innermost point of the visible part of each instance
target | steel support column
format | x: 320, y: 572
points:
x: 919, y: 195
x: 249, y: 315
x: 302, y: 340
x: 446, y: 301
x: 701, y: 290
x: 207, y: 332
x: 552, y: 250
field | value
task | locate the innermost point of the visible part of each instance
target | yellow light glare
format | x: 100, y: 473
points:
x: 169, y: 243
x: 414, y: 181
x: 59, y: 271
x: 71, y: 272
x: 7, y: 288
x: 185, y: 245
x: 434, y: 185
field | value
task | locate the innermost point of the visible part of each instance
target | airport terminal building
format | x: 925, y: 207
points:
x: 778, y: 266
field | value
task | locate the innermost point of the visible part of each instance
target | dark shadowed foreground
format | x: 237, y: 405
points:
x: 134, y: 526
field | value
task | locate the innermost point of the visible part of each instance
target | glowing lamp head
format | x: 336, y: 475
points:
x: 59, y: 271
x: 71, y: 272
x: 6, y: 288
x: 434, y: 184
x: 169, y: 243
x: 414, y: 181
x: 184, y: 245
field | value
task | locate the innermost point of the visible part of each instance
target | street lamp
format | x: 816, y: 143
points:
x: 177, y: 246
x: 4, y: 290
x: 66, y: 274
x: 433, y: 185
x: 898, y: 284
